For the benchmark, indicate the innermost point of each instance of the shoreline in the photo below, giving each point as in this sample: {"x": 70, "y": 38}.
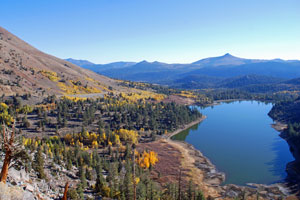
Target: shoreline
{"x": 185, "y": 127}
{"x": 209, "y": 179}
{"x": 279, "y": 126}
{"x": 201, "y": 170}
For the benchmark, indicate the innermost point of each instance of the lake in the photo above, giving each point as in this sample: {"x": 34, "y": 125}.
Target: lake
{"x": 239, "y": 140}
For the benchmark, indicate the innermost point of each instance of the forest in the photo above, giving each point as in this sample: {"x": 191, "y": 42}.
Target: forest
{"x": 94, "y": 141}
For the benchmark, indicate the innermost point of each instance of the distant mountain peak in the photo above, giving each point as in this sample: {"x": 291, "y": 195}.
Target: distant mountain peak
{"x": 228, "y": 55}
{"x": 147, "y": 62}
{"x": 226, "y": 59}
{"x": 144, "y": 61}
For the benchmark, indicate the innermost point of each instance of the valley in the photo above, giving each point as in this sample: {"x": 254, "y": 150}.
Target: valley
{"x": 110, "y": 137}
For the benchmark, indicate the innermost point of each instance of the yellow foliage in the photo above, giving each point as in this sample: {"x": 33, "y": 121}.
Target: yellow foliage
{"x": 86, "y": 138}
{"x": 3, "y": 106}
{"x": 85, "y": 149}
{"x": 50, "y": 153}
{"x": 105, "y": 190}
{"x": 49, "y": 106}
{"x": 146, "y": 159}
{"x": 95, "y": 144}
{"x": 75, "y": 87}
{"x": 50, "y": 75}
{"x": 26, "y": 141}
{"x": 142, "y": 95}
{"x": 79, "y": 144}
{"x": 99, "y": 84}
{"x": 26, "y": 109}
{"x": 187, "y": 94}
{"x": 128, "y": 135}
{"x": 118, "y": 142}
{"x": 4, "y": 116}
{"x": 93, "y": 136}
{"x": 68, "y": 137}
{"x": 153, "y": 157}
{"x": 54, "y": 138}
{"x": 103, "y": 136}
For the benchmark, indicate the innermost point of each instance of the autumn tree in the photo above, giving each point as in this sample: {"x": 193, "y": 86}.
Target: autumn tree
{"x": 147, "y": 159}
{"x": 5, "y": 117}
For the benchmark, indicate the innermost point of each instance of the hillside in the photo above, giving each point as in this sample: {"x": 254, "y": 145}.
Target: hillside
{"x": 25, "y": 69}
{"x": 247, "y": 80}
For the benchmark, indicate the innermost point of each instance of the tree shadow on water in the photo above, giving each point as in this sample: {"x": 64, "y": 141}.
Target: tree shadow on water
{"x": 283, "y": 156}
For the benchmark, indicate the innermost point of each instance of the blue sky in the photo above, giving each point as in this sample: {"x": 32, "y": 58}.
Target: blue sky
{"x": 173, "y": 31}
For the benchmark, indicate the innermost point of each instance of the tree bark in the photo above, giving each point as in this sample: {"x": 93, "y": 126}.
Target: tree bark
{"x": 4, "y": 171}
{"x": 66, "y": 191}
{"x": 8, "y": 153}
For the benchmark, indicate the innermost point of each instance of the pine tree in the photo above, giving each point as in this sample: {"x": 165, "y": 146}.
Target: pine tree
{"x": 38, "y": 163}
{"x": 80, "y": 190}
{"x": 190, "y": 192}
{"x": 82, "y": 176}
{"x": 200, "y": 196}
{"x": 128, "y": 182}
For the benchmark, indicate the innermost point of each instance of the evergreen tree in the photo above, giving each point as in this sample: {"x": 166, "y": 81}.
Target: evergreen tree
{"x": 38, "y": 163}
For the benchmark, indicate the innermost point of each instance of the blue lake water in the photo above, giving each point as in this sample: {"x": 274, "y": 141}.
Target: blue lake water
{"x": 238, "y": 138}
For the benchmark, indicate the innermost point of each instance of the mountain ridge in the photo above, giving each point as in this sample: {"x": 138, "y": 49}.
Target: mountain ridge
{"x": 225, "y": 56}
{"x": 203, "y": 72}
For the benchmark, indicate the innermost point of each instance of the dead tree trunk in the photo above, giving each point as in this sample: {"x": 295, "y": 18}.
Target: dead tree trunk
{"x": 4, "y": 171}
{"x": 66, "y": 191}
{"x": 7, "y": 143}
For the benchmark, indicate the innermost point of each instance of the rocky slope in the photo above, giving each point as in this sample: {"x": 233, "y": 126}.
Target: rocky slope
{"x": 25, "y": 69}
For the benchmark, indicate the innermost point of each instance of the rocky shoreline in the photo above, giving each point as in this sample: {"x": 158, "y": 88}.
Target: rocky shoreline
{"x": 212, "y": 178}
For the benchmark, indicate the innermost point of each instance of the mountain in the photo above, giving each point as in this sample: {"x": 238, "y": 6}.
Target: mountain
{"x": 224, "y": 60}
{"x": 142, "y": 71}
{"x": 203, "y": 81}
{"x": 295, "y": 81}
{"x": 252, "y": 79}
{"x": 79, "y": 62}
{"x": 116, "y": 65}
{"x": 25, "y": 69}
{"x": 195, "y": 81}
{"x": 272, "y": 68}
{"x": 204, "y": 73}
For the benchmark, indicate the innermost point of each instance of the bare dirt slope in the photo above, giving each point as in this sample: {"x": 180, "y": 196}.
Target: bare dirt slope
{"x": 24, "y": 69}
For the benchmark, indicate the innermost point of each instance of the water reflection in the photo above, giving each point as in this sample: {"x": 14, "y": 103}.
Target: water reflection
{"x": 276, "y": 166}
{"x": 238, "y": 139}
